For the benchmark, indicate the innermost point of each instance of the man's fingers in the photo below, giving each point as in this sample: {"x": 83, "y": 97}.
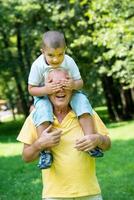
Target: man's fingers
{"x": 57, "y": 141}
{"x": 84, "y": 148}
{"x": 79, "y": 146}
{"x": 57, "y": 136}
{"x": 83, "y": 144}
{"x": 48, "y": 128}
{"x": 56, "y": 132}
{"x": 79, "y": 141}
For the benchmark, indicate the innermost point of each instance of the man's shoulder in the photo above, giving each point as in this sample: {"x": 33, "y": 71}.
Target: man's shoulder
{"x": 28, "y": 132}
{"x": 29, "y": 120}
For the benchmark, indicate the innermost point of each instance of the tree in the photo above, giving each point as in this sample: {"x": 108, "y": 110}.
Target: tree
{"x": 99, "y": 37}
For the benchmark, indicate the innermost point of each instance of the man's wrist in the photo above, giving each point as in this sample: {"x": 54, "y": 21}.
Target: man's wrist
{"x": 37, "y": 146}
{"x": 101, "y": 140}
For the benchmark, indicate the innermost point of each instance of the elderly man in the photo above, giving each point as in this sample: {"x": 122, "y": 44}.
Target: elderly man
{"x": 72, "y": 175}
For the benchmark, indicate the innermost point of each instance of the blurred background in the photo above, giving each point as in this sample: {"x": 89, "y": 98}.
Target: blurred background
{"x": 100, "y": 38}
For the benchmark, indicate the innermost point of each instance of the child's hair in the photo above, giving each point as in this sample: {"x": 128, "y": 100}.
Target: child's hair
{"x": 53, "y": 39}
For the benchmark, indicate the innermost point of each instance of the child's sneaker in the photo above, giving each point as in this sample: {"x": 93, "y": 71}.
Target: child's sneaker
{"x": 45, "y": 160}
{"x": 97, "y": 152}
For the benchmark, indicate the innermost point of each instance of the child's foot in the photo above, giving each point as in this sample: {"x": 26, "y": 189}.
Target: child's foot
{"x": 45, "y": 160}
{"x": 97, "y": 152}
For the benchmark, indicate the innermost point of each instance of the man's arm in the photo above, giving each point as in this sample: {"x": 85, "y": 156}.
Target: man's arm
{"x": 100, "y": 138}
{"x": 104, "y": 142}
{"x": 48, "y": 139}
{"x": 89, "y": 142}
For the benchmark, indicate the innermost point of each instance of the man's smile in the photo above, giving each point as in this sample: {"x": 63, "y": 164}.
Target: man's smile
{"x": 60, "y": 96}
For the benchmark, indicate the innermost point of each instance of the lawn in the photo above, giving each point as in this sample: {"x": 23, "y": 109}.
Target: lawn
{"x": 115, "y": 171}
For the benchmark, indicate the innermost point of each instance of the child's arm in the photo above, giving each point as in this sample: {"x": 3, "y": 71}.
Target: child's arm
{"x": 49, "y": 88}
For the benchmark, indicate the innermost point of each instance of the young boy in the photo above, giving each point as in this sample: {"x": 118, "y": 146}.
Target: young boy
{"x": 53, "y": 56}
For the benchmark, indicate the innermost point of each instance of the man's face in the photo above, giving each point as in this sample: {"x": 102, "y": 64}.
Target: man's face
{"x": 54, "y": 57}
{"x": 61, "y": 98}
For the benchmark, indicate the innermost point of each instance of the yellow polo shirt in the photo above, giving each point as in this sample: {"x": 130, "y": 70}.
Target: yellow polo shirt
{"x": 72, "y": 173}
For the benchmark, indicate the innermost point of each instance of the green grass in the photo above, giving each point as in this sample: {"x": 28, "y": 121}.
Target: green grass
{"x": 115, "y": 171}
{"x": 18, "y": 180}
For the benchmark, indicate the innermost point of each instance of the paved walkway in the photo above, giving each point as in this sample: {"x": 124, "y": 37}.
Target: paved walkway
{"x": 5, "y": 115}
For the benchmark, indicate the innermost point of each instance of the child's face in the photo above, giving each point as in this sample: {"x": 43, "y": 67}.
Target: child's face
{"x": 54, "y": 57}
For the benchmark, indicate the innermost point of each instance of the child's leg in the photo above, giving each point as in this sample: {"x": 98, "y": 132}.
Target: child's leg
{"x": 43, "y": 112}
{"x": 87, "y": 124}
{"x": 42, "y": 127}
{"x": 42, "y": 117}
{"x": 84, "y": 111}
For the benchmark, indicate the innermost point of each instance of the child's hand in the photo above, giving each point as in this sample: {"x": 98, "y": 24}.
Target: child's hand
{"x": 52, "y": 87}
{"x": 68, "y": 84}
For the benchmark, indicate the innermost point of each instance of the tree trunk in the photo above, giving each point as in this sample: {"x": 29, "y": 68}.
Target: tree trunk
{"x": 128, "y": 103}
{"x": 107, "y": 84}
{"x": 20, "y": 54}
{"x": 119, "y": 101}
{"x": 21, "y": 95}
{"x": 23, "y": 72}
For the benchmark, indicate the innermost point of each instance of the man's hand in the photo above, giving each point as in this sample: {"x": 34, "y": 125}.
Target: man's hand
{"x": 49, "y": 138}
{"x": 87, "y": 142}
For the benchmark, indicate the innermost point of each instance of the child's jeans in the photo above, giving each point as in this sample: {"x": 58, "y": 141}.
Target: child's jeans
{"x": 44, "y": 111}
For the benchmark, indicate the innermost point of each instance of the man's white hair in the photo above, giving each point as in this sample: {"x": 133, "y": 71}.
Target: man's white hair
{"x": 57, "y": 69}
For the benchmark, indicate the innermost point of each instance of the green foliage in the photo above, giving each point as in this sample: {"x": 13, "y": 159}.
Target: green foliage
{"x": 99, "y": 37}
{"x": 113, "y": 30}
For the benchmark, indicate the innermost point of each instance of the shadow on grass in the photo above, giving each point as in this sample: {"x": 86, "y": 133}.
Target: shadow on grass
{"x": 19, "y": 180}
{"x": 10, "y": 130}
{"x": 120, "y": 124}
{"x": 116, "y": 171}
{"x": 103, "y": 113}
